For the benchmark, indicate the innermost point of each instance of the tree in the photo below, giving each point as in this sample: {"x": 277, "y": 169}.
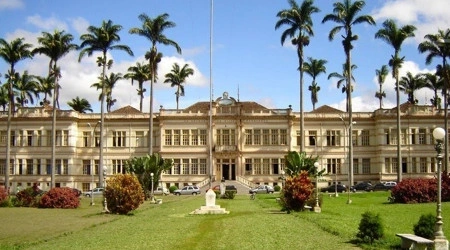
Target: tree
{"x": 409, "y": 84}
{"x": 140, "y": 73}
{"x": 144, "y": 166}
{"x": 300, "y": 28}
{"x": 342, "y": 78}
{"x": 12, "y": 53}
{"x": 55, "y": 46}
{"x": 80, "y": 105}
{"x": 27, "y": 88}
{"x": 153, "y": 30}
{"x": 176, "y": 77}
{"x": 297, "y": 162}
{"x": 110, "y": 82}
{"x": 395, "y": 37}
{"x": 102, "y": 39}
{"x": 345, "y": 14}
{"x": 381, "y": 77}
{"x": 435, "y": 83}
{"x": 3, "y": 96}
{"x": 314, "y": 68}
{"x": 45, "y": 86}
{"x": 435, "y": 48}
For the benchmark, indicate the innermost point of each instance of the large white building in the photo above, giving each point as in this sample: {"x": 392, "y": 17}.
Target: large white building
{"x": 249, "y": 143}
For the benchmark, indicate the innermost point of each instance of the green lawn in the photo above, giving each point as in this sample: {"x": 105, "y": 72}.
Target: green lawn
{"x": 251, "y": 224}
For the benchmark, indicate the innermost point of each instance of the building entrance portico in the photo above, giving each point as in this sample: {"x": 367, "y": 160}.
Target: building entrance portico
{"x": 226, "y": 169}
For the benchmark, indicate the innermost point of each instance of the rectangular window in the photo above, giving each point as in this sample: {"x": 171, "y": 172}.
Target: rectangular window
{"x": 185, "y": 166}
{"x": 366, "y": 165}
{"x": 355, "y": 166}
{"x": 257, "y": 166}
{"x": 256, "y": 137}
{"x": 274, "y": 136}
{"x": 394, "y": 165}
{"x": 203, "y": 166}
{"x": 86, "y": 142}
{"x": 355, "y": 137}
{"x": 423, "y": 165}
{"x": 333, "y": 137}
{"x": 39, "y": 139}
{"x": 266, "y": 137}
{"x": 119, "y": 138}
{"x": 118, "y": 166}
{"x": 39, "y": 166}
{"x": 422, "y": 136}
{"x": 433, "y": 165}
{"x": 388, "y": 137}
{"x": 413, "y": 136}
{"x": 283, "y": 137}
{"x": 2, "y": 138}
{"x": 140, "y": 139}
{"x": 97, "y": 139}
{"x": 414, "y": 164}
{"x": 194, "y": 137}
{"x": 248, "y": 166}
{"x": 226, "y": 137}
{"x": 248, "y": 137}
{"x": 393, "y": 137}
{"x": 185, "y": 139}
{"x": 30, "y": 138}
{"x": 29, "y": 167}
{"x": 168, "y": 137}
{"x": 176, "y": 166}
{"x": 194, "y": 166}
{"x": 312, "y": 137}
{"x": 86, "y": 167}
{"x": 266, "y": 167}
{"x": 334, "y": 166}
{"x": 176, "y": 137}
{"x": 2, "y": 166}
{"x": 203, "y": 137}
{"x": 299, "y": 138}
{"x": 387, "y": 165}
{"x": 365, "y": 138}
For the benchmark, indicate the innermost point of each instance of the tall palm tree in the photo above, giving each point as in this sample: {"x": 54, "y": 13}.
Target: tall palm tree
{"x": 314, "y": 67}
{"x": 409, "y": 84}
{"x": 3, "y": 96}
{"x": 345, "y": 14}
{"x": 435, "y": 48}
{"x": 80, "y": 105}
{"x": 153, "y": 30}
{"x": 110, "y": 82}
{"x": 12, "y": 52}
{"x": 342, "y": 82}
{"x": 45, "y": 86}
{"x": 300, "y": 28}
{"x": 27, "y": 88}
{"x": 176, "y": 77}
{"x": 435, "y": 83}
{"x": 102, "y": 39}
{"x": 395, "y": 36}
{"x": 381, "y": 77}
{"x": 140, "y": 73}
{"x": 55, "y": 46}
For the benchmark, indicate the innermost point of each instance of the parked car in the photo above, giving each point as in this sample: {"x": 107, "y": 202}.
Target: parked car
{"x": 161, "y": 191}
{"x": 390, "y": 184}
{"x": 191, "y": 190}
{"x": 340, "y": 188}
{"x": 227, "y": 188}
{"x": 378, "y": 187}
{"x": 360, "y": 186}
{"x": 94, "y": 192}
{"x": 262, "y": 189}
{"x": 77, "y": 192}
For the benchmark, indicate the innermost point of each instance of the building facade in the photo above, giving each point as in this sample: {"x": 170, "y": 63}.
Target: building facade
{"x": 247, "y": 142}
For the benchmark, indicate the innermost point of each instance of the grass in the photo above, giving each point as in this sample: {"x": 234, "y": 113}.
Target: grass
{"x": 251, "y": 224}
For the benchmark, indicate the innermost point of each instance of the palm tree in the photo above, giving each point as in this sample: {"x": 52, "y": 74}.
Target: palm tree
{"x": 435, "y": 83}
{"x": 3, "y": 96}
{"x": 102, "y": 39}
{"x": 395, "y": 36}
{"x": 55, "y": 46}
{"x": 45, "y": 86}
{"x": 27, "y": 87}
{"x": 381, "y": 77}
{"x": 343, "y": 80}
{"x": 314, "y": 68}
{"x": 409, "y": 84}
{"x": 435, "y": 48}
{"x": 80, "y": 105}
{"x": 345, "y": 15}
{"x": 176, "y": 77}
{"x": 300, "y": 28}
{"x": 153, "y": 30}
{"x": 140, "y": 73}
{"x": 110, "y": 82}
{"x": 12, "y": 53}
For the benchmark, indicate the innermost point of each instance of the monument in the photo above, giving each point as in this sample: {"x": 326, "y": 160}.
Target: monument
{"x": 211, "y": 207}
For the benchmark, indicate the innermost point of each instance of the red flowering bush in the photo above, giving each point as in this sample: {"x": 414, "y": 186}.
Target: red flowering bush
{"x": 297, "y": 192}
{"x": 3, "y": 194}
{"x": 123, "y": 194}
{"x": 28, "y": 197}
{"x": 60, "y": 198}
{"x": 445, "y": 193}
{"x": 415, "y": 191}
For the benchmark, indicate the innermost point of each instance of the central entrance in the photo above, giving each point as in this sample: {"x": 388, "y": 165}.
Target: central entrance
{"x": 227, "y": 169}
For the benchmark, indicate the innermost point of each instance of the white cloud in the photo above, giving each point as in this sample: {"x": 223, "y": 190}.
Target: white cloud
{"x": 50, "y": 23}
{"x": 11, "y": 4}
{"x": 79, "y": 24}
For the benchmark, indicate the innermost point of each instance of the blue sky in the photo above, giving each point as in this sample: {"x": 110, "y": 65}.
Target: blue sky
{"x": 248, "y": 60}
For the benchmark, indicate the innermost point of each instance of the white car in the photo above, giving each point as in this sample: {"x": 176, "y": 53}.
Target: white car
{"x": 161, "y": 191}
{"x": 262, "y": 189}
{"x": 94, "y": 192}
{"x": 190, "y": 190}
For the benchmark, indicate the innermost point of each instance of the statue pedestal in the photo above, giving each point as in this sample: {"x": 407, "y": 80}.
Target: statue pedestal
{"x": 211, "y": 207}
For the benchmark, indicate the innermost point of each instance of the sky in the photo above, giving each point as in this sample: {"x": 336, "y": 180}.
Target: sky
{"x": 247, "y": 58}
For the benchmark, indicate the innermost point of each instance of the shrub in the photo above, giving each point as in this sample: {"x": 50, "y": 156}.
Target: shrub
{"x": 415, "y": 191}
{"x": 60, "y": 197}
{"x": 425, "y": 226}
{"x": 277, "y": 188}
{"x": 370, "y": 227}
{"x": 445, "y": 193}
{"x": 172, "y": 189}
{"x": 3, "y": 194}
{"x": 28, "y": 197}
{"x": 123, "y": 194}
{"x": 296, "y": 192}
{"x": 228, "y": 195}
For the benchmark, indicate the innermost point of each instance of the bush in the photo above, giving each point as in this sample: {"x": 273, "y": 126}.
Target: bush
{"x": 172, "y": 189}
{"x": 425, "y": 226}
{"x": 60, "y": 197}
{"x": 123, "y": 194}
{"x": 228, "y": 195}
{"x": 370, "y": 227}
{"x": 296, "y": 192}
{"x": 3, "y": 194}
{"x": 28, "y": 197}
{"x": 445, "y": 193}
{"x": 415, "y": 191}
{"x": 277, "y": 188}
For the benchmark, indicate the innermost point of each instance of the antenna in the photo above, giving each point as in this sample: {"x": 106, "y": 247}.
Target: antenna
{"x": 238, "y": 93}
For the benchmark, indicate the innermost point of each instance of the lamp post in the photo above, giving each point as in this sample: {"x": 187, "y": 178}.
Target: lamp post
{"x": 317, "y": 208}
{"x": 151, "y": 193}
{"x": 105, "y": 204}
{"x": 440, "y": 242}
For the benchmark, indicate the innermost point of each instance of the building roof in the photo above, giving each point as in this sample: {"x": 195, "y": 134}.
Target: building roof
{"x": 126, "y": 110}
{"x": 326, "y": 109}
